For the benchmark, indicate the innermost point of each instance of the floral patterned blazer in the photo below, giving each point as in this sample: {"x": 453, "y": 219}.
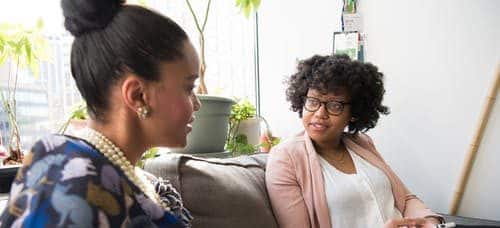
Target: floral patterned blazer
{"x": 66, "y": 182}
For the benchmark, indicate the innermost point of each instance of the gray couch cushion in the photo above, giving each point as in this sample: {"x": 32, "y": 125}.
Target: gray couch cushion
{"x": 219, "y": 192}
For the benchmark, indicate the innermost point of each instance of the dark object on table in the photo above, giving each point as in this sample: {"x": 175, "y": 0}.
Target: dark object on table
{"x": 15, "y": 158}
{"x": 467, "y": 222}
{"x": 476, "y": 226}
{"x": 7, "y": 175}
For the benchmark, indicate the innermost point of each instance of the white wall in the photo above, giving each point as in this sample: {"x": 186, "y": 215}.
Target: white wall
{"x": 439, "y": 58}
{"x": 288, "y": 31}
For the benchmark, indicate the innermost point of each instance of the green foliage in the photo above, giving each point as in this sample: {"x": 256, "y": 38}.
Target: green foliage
{"x": 151, "y": 153}
{"x": 242, "y": 110}
{"x": 350, "y": 6}
{"x": 270, "y": 141}
{"x": 247, "y": 6}
{"x": 238, "y": 143}
{"x": 79, "y": 113}
{"x": 20, "y": 47}
{"x": 24, "y": 46}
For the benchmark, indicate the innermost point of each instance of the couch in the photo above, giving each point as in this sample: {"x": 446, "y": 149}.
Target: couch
{"x": 220, "y": 193}
{"x": 231, "y": 192}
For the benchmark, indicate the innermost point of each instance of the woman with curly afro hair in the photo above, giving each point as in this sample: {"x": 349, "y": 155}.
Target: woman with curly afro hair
{"x": 331, "y": 175}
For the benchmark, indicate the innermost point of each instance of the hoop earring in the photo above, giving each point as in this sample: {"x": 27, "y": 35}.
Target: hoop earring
{"x": 143, "y": 112}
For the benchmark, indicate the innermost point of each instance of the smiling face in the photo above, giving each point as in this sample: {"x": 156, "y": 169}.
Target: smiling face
{"x": 174, "y": 100}
{"x": 322, "y": 127}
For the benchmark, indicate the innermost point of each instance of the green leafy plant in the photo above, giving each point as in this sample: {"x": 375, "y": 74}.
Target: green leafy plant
{"x": 20, "y": 47}
{"x": 350, "y": 6}
{"x": 151, "y": 153}
{"x": 238, "y": 143}
{"x": 245, "y": 6}
{"x": 79, "y": 113}
{"x": 242, "y": 110}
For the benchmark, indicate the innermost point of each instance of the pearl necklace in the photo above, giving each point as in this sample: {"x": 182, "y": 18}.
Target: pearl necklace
{"x": 116, "y": 156}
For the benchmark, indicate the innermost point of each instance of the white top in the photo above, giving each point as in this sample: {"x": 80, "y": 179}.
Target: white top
{"x": 363, "y": 199}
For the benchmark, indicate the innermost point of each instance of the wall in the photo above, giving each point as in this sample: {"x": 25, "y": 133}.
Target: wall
{"x": 287, "y": 33}
{"x": 439, "y": 59}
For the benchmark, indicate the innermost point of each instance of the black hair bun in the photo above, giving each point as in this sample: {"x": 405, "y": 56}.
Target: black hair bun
{"x": 82, "y": 16}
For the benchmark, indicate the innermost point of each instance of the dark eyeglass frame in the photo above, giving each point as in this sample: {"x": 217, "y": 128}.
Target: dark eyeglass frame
{"x": 325, "y": 103}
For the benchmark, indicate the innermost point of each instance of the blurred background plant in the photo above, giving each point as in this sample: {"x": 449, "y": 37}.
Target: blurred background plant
{"x": 267, "y": 139}
{"x": 20, "y": 48}
{"x": 245, "y": 6}
{"x": 151, "y": 153}
{"x": 79, "y": 113}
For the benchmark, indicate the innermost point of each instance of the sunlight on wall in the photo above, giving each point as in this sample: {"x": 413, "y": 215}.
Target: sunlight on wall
{"x": 27, "y": 12}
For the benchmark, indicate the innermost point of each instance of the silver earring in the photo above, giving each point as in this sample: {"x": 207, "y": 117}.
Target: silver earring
{"x": 143, "y": 112}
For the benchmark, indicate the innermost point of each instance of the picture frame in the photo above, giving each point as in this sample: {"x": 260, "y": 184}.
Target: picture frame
{"x": 347, "y": 43}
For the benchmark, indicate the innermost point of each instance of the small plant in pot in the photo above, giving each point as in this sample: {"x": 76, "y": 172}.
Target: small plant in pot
{"x": 243, "y": 125}
{"x": 245, "y": 133}
{"x": 76, "y": 121}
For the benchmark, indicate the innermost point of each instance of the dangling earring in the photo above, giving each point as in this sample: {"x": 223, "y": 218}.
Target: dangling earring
{"x": 353, "y": 120}
{"x": 143, "y": 112}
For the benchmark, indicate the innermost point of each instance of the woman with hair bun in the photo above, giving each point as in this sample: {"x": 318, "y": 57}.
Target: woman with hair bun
{"x": 136, "y": 70}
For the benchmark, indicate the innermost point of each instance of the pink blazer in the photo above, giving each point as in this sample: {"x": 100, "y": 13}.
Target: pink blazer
{"x": 294, "y": 181}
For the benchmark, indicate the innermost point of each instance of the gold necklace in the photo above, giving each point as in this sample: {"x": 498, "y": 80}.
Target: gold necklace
{"x": 116, "y": 156}
{"x": 341, "y": 160}
{"x": 330, "y": 156}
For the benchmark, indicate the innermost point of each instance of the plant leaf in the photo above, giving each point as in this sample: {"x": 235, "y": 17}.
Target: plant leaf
{"x": 256, "y": 4}
{"x": 247, "y": 6}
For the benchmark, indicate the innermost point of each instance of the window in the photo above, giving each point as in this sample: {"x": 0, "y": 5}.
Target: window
{"x": 44, "y": 102}
{"x": 229, "y": 41}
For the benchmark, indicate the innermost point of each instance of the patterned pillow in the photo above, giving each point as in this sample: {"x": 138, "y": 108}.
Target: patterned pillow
{"x": 219, "y": 192}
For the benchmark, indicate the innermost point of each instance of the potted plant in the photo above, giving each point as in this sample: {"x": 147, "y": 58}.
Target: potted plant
{"x": 267, "y": 139}
{"x": 76, "y": 121}
{"x": 244, "y": 128}
{"x": 245, "y": 133}
{"x": 211, "y": 124}
{"x": 19, "y": 48}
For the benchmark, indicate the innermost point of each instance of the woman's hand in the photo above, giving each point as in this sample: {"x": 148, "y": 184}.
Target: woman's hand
{"x": 409, "y": 222}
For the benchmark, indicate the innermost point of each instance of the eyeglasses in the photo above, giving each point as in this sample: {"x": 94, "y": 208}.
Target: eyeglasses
{"x": 335, "y": 108}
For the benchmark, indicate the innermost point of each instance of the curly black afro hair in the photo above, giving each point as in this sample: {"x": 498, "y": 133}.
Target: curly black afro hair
{"x": 363, "y": 81}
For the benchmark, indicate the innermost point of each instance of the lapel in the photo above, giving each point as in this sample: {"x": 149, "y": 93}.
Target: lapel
{"x": 360, "y": 145}
{"x": 320, "y": 205}
{"x": 362, "y": 148}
